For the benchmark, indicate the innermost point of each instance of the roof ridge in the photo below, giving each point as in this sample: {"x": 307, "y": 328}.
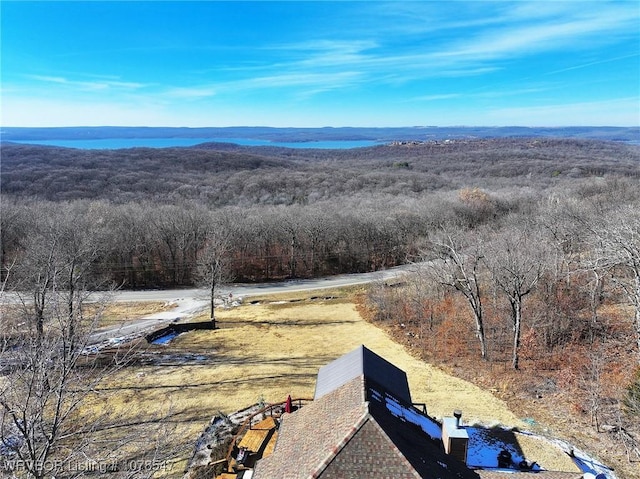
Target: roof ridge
{"x": 338, "y": 447}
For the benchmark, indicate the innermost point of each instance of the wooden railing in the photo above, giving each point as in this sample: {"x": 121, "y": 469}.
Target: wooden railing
{"x": 274, "y": 410}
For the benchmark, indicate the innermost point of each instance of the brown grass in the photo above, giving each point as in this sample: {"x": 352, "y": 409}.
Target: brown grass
{"x": 265, "y": 352}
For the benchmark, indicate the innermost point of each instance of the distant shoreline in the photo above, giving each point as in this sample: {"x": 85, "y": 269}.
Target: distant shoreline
{"x": 302, "y": 137}
{"x": 123, "y": 143}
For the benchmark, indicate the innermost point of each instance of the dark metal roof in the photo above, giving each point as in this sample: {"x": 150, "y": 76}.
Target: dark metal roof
{"x": 362, "y": 362}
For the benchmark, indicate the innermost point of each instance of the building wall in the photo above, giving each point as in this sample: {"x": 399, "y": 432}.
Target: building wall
{"x": 369, "y": 454}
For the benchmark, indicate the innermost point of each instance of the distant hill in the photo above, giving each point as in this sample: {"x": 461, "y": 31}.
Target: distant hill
{"x": 627, "y": 134}
{"x": 223, "y": 174}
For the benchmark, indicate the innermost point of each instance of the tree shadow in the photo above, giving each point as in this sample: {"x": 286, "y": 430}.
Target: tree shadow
{"x": 228, "y": 382}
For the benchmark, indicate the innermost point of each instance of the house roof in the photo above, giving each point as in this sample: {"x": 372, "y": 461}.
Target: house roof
{"x": 310, "y": 438}
{"x": 421, "y": 451}
{"x": 364, "y": 426}
{"x": 362, "y": 362}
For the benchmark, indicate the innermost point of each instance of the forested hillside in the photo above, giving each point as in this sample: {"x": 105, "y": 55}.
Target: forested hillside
{"x": 287, "y": 213}
{"x": 532, "y": 246}
{"x": 225, "y": 175}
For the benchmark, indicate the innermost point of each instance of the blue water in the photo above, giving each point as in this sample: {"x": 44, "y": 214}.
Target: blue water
{"x": 116, "y": 143}
{"x": 166, "y": 338}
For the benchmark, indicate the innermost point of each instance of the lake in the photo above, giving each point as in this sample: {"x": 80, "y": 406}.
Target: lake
{"x": 117, "y": 143}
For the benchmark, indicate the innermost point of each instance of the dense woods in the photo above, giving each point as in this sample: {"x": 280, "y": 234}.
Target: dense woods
{"x": 526, "y": 251}
{"x": 287, "y": 213}
{"x": 216, "y": 175}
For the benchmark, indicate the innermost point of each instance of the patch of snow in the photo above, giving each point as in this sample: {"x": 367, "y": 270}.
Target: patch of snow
{"x": 9, "y": 445}
{"x": 587, "y": 464}
{"x": 483, "y": 449}
{"x": 219, "y": 429}
{"x": 409, "y": 414}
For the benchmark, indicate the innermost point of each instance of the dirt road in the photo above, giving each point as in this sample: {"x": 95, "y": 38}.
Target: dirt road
{"x": 191, "y": 301}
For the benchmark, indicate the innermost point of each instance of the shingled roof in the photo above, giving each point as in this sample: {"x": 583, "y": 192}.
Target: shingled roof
{"x": 360, "y": 427}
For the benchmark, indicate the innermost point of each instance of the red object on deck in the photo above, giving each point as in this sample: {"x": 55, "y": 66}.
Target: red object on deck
{"x": 288, "y": 406}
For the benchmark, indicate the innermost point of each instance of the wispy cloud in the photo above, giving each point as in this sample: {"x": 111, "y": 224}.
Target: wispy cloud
{"x": 87, "y": 85}
{"x": 486, "y": 32}
{"x": 192, "y": 93}
{"x": 445, "y": 56}
{"x": 311, "y": 83}
{"x": 446, "y": 96}
{"x": 537, "y": 37}
{"x": 329, "y": 80}
{"x": 408, "y": 51}
{"x": 49, "y": 79}
{"x": 516, "y": 30}
{"x": 589, "y": 64}
{"x": 507, "y": 92}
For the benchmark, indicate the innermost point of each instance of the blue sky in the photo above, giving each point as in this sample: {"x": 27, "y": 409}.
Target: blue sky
{"x": 312, "y": 64}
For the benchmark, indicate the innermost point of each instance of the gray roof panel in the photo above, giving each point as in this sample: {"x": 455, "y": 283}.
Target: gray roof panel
{"x": 362, "y": 362}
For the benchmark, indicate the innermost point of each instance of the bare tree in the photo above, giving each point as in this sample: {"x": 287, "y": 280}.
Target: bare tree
{"x": 47, "y": 374}
{"x": 516, "y": 262}
{"x": 46, "y": 370}
{"x": 315, "y": 227}
{"x": 14, "y": 224}
{"x": 130, "y": 259}
{"x": 289, "y": 227}
{"x": 213, "y": 261}
{"x": 50, "y": 370}
{"x": 618, "y": 236}
{"x": 46, "y": 379}
{"x": 181, "y": 231}
{"x": 458, "y": 267}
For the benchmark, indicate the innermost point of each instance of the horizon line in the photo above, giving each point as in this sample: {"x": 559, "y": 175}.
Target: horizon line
{"x": 323, "y": 127}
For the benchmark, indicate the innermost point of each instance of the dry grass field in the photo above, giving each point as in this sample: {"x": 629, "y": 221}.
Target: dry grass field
{"x": 265, "y": 352}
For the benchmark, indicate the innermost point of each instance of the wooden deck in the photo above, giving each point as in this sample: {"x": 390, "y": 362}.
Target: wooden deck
{"x": 257, "y": 438}
{"x": 268, "y": 450}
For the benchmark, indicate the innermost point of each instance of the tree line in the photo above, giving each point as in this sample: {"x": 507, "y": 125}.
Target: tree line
{"x": 218, "y": 175}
